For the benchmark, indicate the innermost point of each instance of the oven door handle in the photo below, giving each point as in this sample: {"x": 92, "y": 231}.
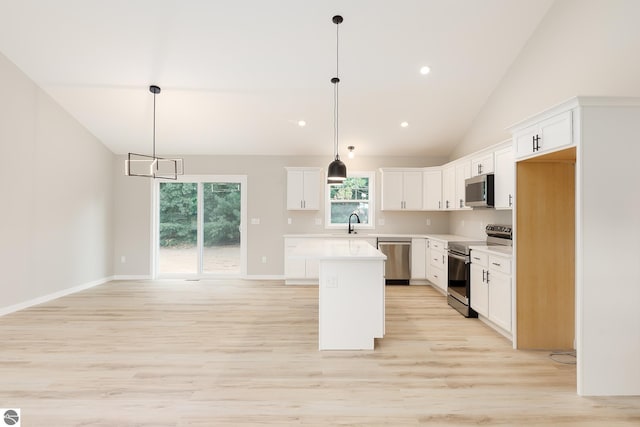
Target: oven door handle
{"x": 460, "y": 257}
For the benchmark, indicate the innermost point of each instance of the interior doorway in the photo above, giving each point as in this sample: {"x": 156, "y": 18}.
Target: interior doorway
{"x": 200, "y": 227}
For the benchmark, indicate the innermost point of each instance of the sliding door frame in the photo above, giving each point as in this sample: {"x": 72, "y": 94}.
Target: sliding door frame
{"x": 155, "y": 222}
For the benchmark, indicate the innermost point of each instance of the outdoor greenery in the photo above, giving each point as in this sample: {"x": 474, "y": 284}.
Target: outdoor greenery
{"x": 349, "y": 197}
{"x": 179, "y": 213}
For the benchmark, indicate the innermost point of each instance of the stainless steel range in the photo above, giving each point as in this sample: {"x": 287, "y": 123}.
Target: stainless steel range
{"x": 459, "y": 267}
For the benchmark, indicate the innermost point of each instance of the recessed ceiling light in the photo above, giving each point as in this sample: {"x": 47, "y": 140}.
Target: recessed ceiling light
{"x": 404, "y": 124}
{"x": 425, "y": 70}
{"x": 302, "y": 123}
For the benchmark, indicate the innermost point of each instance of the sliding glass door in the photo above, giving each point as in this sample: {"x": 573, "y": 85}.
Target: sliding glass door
{"x": 201, "y": 227}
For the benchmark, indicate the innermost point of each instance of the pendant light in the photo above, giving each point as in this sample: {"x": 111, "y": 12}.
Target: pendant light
{"x": 337, "y": 172}
{"x": 153, "y": 166}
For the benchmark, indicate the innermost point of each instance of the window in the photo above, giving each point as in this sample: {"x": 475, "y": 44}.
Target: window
{"x": 354, "y": 195}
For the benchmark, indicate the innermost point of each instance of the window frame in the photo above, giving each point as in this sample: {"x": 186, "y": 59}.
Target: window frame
{"x": 371, "y": 175}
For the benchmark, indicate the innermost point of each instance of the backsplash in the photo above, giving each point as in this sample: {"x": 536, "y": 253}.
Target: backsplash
{"x": 472, "y": 223}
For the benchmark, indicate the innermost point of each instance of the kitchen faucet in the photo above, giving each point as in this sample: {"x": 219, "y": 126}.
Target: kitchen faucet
{"x": 351, "y": 229}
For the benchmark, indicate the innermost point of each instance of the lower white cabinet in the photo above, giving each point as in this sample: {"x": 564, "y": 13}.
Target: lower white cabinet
{"x": 491, "y": 288}
{"x": 437, "y": 271}
{"x": 299, "y": 271}
{"x": 418, "y": 258}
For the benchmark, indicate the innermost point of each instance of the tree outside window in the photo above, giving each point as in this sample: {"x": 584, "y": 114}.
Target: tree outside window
{"x": 353, "y": 195}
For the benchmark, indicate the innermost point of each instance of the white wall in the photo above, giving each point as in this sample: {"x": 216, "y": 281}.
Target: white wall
{"x": 472, "y": 223}
{"x": 56, "y": 222}
{"x": 266, "y": 185}
{"x": 582, "y": 47}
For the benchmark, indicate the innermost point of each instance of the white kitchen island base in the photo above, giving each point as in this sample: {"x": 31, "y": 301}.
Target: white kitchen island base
{"x": 351, "y": 306}
{"x": 351, "y": 292}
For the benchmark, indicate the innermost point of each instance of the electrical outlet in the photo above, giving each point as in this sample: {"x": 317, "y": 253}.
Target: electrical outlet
{"x": 255, "y": 221}
{"x": 123, "y": 259}
{"x": 264, "y": 259}
{"x": 428, "y": 222}
{"x": 289, "y": 221}
{"x": 332, "y": 282}
{"x": 318, "y": 221}
{"x": 381, "y": 221}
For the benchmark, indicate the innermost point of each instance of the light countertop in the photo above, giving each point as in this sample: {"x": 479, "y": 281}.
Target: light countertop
{"x": 345, "y": 235}
{"x": 496, "y": 250}
{"x": 337, "y": 248}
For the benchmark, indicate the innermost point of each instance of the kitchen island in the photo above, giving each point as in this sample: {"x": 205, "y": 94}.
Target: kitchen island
{"x": 351, "y": 292}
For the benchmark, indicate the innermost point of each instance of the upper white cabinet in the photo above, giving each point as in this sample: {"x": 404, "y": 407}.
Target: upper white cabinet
{"x": 504, "y": 179}
{"x": 544, "y": 136}
{"x": 453, "y": 177}
{"x": 463, "y": 171}
{"x": 482, "y": 164}
{"x": 303, "y": 188}
{"x": 401, "y": 189}
{"x": 449, "y": 186}
{"x": 432, "y": 189}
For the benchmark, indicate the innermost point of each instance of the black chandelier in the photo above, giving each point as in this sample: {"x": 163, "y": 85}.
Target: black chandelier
{"x": 153, "y": 166}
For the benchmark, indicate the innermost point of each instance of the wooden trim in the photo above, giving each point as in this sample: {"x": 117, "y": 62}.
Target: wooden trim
{"x": 545, "y": 252}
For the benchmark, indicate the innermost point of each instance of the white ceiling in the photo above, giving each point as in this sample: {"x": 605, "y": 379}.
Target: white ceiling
{"x": 237, "y": 75}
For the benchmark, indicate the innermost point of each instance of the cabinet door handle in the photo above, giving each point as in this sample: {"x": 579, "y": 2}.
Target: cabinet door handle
{"x": 461, "y": 203}
{"x": 479, "y": 168}
{"x": 536, "y": 143}
{"x": 439, "y": 204}
{"x": 533, "y": 143}
{"x": 487, "y": 277}
{"x": 442, "y": 259}
{"x": 476, "y": 258}
{"x": 483, "y": 275}
{"x": 496, "y": 264}
{"x": 510, "y": 200}
{"x": 447, "y": 205}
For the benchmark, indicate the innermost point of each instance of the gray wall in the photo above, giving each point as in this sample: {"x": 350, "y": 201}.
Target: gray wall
{"x": 582, "y": 47}
{"x": 266, "y": 183}
{"x": 56, "y": 223}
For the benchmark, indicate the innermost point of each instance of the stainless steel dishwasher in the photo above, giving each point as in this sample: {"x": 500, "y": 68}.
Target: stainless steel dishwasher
{"x": 397, "y": 267}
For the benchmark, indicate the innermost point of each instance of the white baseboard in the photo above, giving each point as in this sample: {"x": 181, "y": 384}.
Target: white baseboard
{"x": 132, "y": 277}
{"x": 52, "y": 296}
{"x": 264, "y": 277}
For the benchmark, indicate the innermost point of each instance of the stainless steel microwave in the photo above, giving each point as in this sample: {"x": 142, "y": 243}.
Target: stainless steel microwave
{"x": 479, "y": 192}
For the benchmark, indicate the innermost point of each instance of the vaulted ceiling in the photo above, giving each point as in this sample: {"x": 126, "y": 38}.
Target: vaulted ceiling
{"x": 237, "y": 76}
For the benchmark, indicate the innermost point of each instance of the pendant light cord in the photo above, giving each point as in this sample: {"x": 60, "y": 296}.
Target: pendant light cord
{"x": 154, "y": 126}
{"x": 336, "y": 81}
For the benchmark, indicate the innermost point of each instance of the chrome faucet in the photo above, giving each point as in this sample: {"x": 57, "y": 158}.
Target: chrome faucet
{"x": 351, "y": 229}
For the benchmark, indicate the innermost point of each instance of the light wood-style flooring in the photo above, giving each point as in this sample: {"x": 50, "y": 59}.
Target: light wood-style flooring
{"x": 241, "y": 353}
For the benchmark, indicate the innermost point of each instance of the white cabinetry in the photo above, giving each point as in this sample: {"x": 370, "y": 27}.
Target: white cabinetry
{"x": 504, "y": 181}
{"x": 298, "y": 270}
{"x": 432, "y": 189}
{"x": 449, "y": 186}
{"x": 491, "y": 288}
{"x": 437, "y": 271}
{"x": 401, "y": 189}
{"x": 482, "y": 164}
{"x": 303, "y": 188}
{"x": 546, "y": 135}
{"x": 418, "y": 259}
{"x": 463, "y": 171}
